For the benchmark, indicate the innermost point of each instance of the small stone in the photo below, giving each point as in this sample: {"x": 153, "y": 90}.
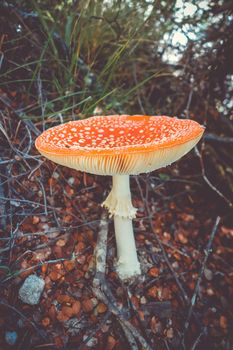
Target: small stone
{"x": 210, "y": 292}
{"x": 31, "y": 290}
{"x": 143, "y": 300}
{"x": 11, "y": 337}
{"x": 208, "y": 274}
{"x": 55, "y": 175}
{"x": 71, "y": 181}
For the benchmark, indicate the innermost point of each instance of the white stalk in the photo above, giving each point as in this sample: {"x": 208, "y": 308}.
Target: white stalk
{"x": 119, "y": 201}
{"x": 127, "y": 264}
{"x": 120, "y": 206}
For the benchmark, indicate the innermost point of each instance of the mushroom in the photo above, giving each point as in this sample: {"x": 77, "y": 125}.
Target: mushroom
{"x": 120, "y": 145}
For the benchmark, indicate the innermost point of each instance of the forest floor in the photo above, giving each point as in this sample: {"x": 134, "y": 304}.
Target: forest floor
{"x": 50, "y": 225}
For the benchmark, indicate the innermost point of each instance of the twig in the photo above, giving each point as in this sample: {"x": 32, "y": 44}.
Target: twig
{"x": 44, "y": 196}
{"x": 209, "y": 183}
{"x": 227, "y": 121}
{"x": 2, "y": 207}
{"x": 138, "y": 93}
{"x": 101, "y": 247}
{"x": 216, "y": 138}
{"x": 103, "y": 292}
{"x": 195, "y": 344}
{"x": 47, "y": 262}
{"x": 136, "y": 334}
{"x": 183, "y": 292}
{"x": 207, "y": 252}
{"x": 13, "y": 201}
{"x": 44, "y": 337}
{"x": 189, "y": 98}
{"x": 129, "y": 336}
{"x": 100, "y": 285}
{"x": 94, "y": 331}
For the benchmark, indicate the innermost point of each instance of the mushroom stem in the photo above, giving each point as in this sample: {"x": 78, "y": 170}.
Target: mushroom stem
{"x": 120, "y": 206}
{"x": 127, "y": 264}
{"x": 119, "y": 201}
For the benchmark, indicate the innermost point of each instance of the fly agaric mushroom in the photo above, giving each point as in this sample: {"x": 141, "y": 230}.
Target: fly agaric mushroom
{"x": 120, "y": 146}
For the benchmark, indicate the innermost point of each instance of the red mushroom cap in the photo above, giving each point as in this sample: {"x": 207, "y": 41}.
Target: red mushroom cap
{"x": 116, "y": 144}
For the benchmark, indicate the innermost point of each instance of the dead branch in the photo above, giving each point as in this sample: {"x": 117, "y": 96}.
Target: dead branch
{"x": 216, "y": 138}
{"x": 197, "y": 340}
{"x": 207, "y": 252}
{"x": 39, "y": 332}
{"x": 2, "y": 208}
{"x": 184, "y": 295}
{"x": 103, "y": 292}
{"x": 209, "y": 183}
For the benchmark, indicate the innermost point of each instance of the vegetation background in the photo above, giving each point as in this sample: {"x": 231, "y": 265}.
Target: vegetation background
{"x": 65, "y": 60}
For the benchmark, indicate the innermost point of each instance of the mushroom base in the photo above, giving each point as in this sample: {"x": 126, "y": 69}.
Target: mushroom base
{"x": 127, "y": 265}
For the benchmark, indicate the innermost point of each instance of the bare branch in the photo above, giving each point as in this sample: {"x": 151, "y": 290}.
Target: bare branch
{"x": 207, "y": 252}
{"x": 209, "y": 183}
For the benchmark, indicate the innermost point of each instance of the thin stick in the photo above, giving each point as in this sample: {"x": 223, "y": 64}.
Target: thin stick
{"x": 197, "y": 341}
{"x": 129, "y": 336}
{"x": 101, "y": 247}
{"x": 24, "y": 318}
{"x": 103, "y": 292}
{"x": 207, "y": 252}
{"x": 209, "y": 183}
{"x": 184, "y": 295}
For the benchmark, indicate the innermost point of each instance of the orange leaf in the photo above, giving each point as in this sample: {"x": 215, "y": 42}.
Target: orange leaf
{"x": 111, "y": 342}
{"x": 153, "y": 272}
{"x": 152, "y": 292}
{"x": 101, "y": 308}
{"x": 76, "y": 307}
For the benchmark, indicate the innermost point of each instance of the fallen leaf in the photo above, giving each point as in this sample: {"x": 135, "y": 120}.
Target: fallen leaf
{"x": 101, "y": 308}
{"x": 223, "y": 322}
{"x": 153, "y": 272}
{"x": 111, "y": 342}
